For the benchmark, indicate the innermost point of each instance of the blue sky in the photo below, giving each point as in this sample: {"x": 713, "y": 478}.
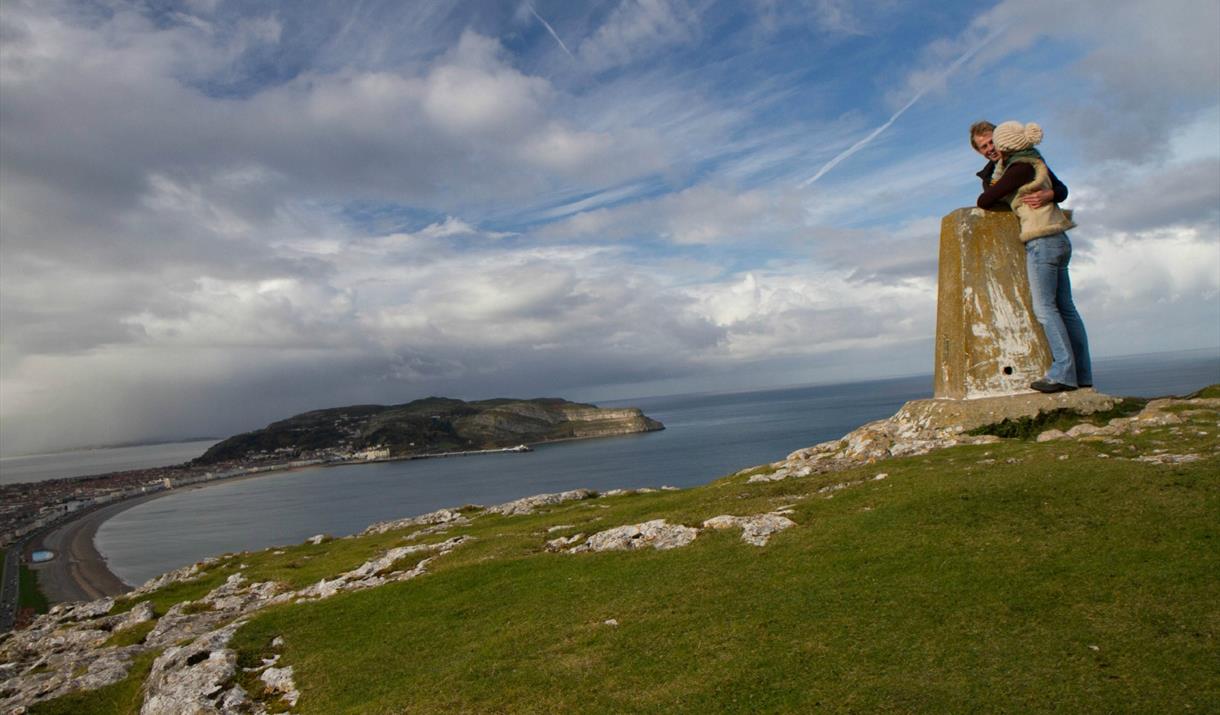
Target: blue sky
{"x": 216, "y": 214}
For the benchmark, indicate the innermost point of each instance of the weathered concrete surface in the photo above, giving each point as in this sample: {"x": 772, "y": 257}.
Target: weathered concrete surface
{"x": 988, "y": 342}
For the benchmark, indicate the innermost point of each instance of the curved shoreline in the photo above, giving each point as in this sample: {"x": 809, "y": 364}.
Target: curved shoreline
{"x": 80, "y": 572}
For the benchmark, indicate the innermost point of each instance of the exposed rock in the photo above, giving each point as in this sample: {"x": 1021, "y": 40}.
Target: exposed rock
{"x": 756, "y": 530}
{"x": 1168, "y": 458}
{"x": 317, "y": 539}
{"x": 81, "y": 610}
{"x": 372, "y": 573}
{"x": 559, "y": 527}
{"x": 1050, "y": 435}
{"x": 657, "y": 534}
{"x": 191, "y": 678}
{"x": 529, "y": 504}
{"x": 1084, "y": 429}
{"x": 434, "y": 530}
{"x": 440, "y": 516}
{"x": 61, "y": 672}
{"x": 563, "y": 542}
{"x": 141, "y": 613}
{"x": 279, "y": 680}
{"x": 185, "y": 573}
{"x": 231, "y": 599}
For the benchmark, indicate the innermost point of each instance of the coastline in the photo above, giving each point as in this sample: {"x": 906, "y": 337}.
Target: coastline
{"x": 79, "y": 571}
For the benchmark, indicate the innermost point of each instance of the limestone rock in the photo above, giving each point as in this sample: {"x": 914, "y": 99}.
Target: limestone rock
{"x": 529, "y": 504}
{"x": 279, "y": 680}
{"x": 563, "y": 542}
{"x": 191, "y": 678}
{"x": 82, "y": 610}
{"x": 756, "y": 530}
{"x": 657, "y": 534}
{"x": 373, "y": 572}
{"x": 185, "y": 573}
{"x": 1051, "y": 434}
{"x": 1083, "y": 429}
{"x": 440, "y": 516}
{"x": 1168, "y": 458}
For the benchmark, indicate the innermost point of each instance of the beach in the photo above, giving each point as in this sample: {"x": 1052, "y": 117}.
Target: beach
{"x": 78, "y": 572}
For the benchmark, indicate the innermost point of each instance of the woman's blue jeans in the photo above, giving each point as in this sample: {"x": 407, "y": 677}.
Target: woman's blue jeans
{"x": 1046, "y": 261}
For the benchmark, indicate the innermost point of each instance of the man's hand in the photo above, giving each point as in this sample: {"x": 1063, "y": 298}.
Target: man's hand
{"x": 1038, "y": 199}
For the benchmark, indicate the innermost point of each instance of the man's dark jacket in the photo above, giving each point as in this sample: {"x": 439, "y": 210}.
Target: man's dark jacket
{"x": 1060, "y": 189}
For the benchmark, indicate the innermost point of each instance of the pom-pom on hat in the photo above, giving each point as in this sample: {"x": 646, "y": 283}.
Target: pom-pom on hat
{"x": 1012, "y": 136}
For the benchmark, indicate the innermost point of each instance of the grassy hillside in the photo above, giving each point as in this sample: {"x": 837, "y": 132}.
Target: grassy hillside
{"x": 1015, "y": 577}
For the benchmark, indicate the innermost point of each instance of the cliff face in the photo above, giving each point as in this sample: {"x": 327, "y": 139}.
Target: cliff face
{"x": 428, "y": 426}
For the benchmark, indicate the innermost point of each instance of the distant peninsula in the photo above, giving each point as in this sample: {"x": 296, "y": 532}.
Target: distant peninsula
{"x": 432, "y": 426}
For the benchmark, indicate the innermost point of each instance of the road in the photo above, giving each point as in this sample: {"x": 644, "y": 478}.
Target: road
{"x": 10, "y": 587}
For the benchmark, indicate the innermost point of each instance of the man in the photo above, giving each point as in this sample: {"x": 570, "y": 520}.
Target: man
{"x": 981, "y": 140}
{"x": 1016, "y": 177}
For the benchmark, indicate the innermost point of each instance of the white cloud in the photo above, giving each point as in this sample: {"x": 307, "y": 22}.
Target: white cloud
{"x": 1143, "y": 70}
{"x": 206, "y": 211}
{"x": 636, "y": 29}
{"x": 701, "y": 214}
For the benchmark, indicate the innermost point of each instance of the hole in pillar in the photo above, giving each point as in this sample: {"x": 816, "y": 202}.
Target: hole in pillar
{"x": 1007, "y": 369}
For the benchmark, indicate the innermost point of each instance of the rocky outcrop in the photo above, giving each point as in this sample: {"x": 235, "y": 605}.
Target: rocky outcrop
{"x": 922, "y": 426}
{"x": 440, "y": 517}
{"x": 64, "y": 650}
{"x": 529, "y": 504}
{"x": 757, "y": 529}
{"x": 376, "y": 572}
{"x": 656, "y": 534}
{"x": 1168, "y": 412}
{"x": 194, "y": 678}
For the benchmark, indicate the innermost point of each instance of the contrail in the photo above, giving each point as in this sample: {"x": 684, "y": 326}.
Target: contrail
{"x": 550, "y": 29}
{"x": 873, "y": 135}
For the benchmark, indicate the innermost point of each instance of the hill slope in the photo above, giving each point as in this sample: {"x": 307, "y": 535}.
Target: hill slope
{"x": 1073, "y": 575}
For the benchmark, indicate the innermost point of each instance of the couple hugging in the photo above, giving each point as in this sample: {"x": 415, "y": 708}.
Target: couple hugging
{"x": 1016, "y": 176}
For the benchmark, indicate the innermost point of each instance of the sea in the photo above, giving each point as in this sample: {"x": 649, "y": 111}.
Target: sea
{"x": 707, "y": 436}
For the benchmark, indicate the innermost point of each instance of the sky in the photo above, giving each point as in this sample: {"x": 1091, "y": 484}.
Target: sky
{"x": 215, "y": 214}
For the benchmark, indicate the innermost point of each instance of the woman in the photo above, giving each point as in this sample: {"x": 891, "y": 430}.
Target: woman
{"x": 1047, "y": 253}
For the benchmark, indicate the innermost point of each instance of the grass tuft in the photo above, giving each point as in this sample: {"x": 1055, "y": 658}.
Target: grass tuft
{"x": 1028, "y": 428}
{"x": 122, "y": 698}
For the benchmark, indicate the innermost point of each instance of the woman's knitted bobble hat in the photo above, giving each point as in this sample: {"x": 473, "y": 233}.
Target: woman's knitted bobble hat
{"x": 1011, "y": 136}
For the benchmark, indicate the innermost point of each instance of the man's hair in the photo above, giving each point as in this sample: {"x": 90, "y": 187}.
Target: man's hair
{"x": 983, "y": 127}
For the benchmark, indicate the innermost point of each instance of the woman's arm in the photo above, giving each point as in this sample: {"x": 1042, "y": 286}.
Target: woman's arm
{"x": 1014, "y": 177}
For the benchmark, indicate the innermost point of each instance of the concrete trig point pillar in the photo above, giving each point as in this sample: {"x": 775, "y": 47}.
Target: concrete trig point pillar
{"x": 988, "y": 342}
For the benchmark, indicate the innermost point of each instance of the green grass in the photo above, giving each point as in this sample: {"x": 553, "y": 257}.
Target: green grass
{"x": 131, "y": 636}
{"x": 121, "y": 698}
{"x": 1012, "y": 577}
{"x": 29, "y": 595}
{"x": 938, "y": 590}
